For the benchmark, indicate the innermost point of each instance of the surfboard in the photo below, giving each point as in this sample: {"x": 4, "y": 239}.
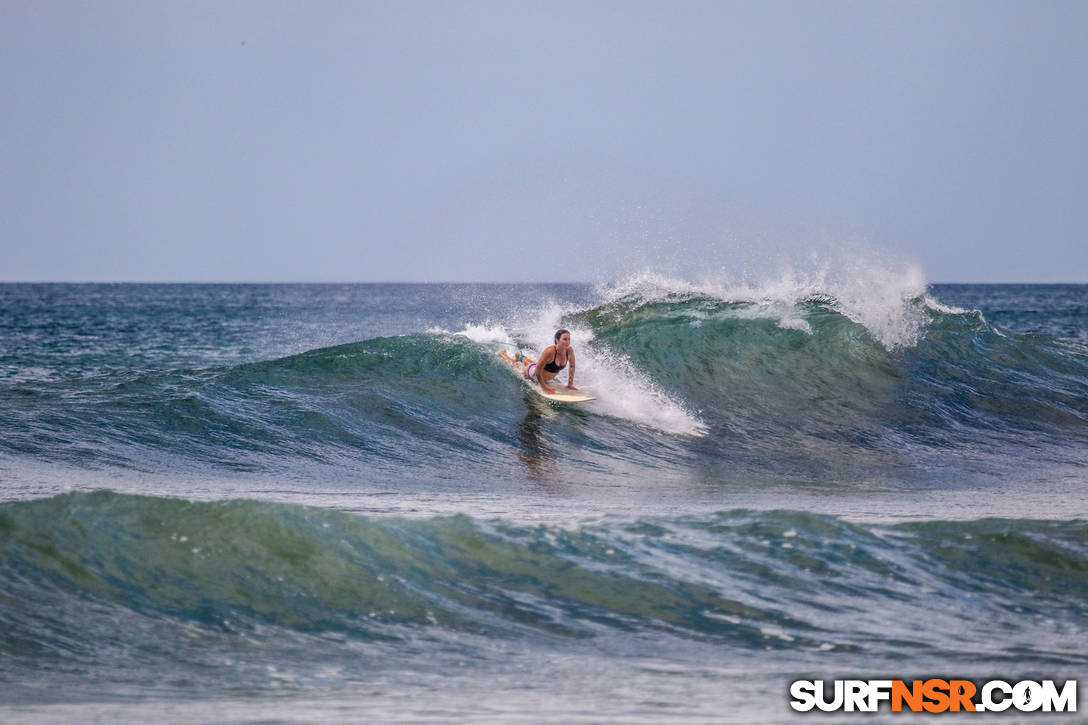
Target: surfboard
{"x": 562, "y": 393}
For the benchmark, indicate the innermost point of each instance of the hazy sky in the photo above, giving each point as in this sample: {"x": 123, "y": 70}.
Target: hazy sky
{"x": 557, "y": 141}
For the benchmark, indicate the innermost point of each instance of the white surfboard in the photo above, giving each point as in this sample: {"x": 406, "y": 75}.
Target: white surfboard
{"x": 562, "y": 393}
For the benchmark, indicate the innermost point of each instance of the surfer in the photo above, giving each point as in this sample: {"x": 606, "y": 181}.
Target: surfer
{"x": 552, "y": 360}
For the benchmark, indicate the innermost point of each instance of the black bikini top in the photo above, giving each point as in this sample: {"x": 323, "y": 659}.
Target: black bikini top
{"x": 552, "y": 367}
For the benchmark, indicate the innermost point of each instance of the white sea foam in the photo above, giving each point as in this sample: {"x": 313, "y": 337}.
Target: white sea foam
{"x": 886, "y": 297}
{"x": 624, "y": 392}
{"x": 485, "y": 333}
{"x": 945, "y": 309}
{"x": 621, "y": 390}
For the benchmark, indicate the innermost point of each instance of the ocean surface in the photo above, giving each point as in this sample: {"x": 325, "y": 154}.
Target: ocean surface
{"x": 333, "y": 503}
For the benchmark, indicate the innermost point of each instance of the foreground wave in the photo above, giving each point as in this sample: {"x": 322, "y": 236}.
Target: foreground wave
{"x": 97, "y": 581}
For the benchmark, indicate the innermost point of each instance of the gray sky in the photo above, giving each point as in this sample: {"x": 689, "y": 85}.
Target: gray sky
{"x": 554, "y": 141}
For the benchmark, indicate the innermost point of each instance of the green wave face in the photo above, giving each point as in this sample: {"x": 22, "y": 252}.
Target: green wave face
{"x": 772, "y": 367}
{"x": 739, "y": 362}
{"x": 80, "y": 564}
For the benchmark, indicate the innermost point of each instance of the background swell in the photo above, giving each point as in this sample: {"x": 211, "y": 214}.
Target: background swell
{"x": 791, "y": 386}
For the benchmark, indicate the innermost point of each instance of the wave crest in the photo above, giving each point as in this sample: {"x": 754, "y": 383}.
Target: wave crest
{"x": 888, "y": 301}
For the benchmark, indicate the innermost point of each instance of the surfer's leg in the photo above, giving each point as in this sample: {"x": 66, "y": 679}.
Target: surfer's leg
{"x": 519, "y": 360}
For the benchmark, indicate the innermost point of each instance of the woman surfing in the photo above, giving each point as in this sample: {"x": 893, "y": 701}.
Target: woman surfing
{"x": 552, "y": 360}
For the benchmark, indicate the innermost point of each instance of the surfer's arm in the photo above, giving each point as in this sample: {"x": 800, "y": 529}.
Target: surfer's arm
{"x": 540, "y": 379}
{"x": 570, "y": 377}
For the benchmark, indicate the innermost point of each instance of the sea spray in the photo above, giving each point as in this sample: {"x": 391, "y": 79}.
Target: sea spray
{"x": 621, "y": 390}
{"x": 885, "y": 300}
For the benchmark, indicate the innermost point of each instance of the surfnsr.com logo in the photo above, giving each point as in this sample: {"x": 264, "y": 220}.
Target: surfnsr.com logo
{"x": 933, "y": 695}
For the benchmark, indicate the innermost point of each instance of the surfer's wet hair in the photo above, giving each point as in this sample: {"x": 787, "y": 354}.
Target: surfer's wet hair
{"x": 559, "y": 333}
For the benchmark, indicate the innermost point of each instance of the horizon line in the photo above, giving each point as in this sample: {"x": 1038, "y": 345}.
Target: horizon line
{"x": 417, "y": 282}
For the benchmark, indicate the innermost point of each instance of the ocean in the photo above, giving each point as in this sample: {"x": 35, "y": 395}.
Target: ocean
{"x": 334, "y": 503}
